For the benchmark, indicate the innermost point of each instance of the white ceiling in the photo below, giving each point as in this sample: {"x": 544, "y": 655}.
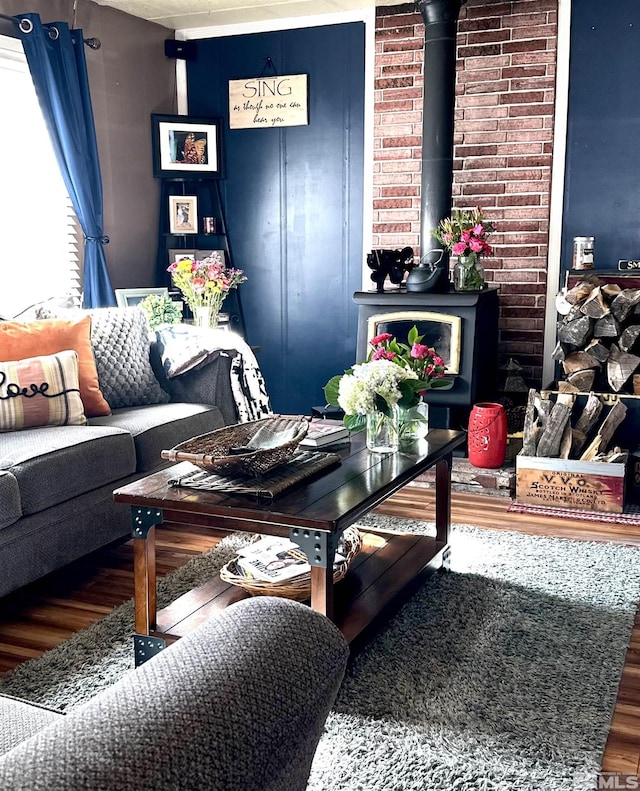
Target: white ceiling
{"x": 186, "y": 14}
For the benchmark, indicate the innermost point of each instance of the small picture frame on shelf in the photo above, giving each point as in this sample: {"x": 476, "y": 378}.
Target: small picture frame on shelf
{"x": 177, "y": 255}
{"x": 186, "y": 147}
{"x": 183, "y": 214}
{"x": 130, "y": 297}
{"x": 209, "y": 225}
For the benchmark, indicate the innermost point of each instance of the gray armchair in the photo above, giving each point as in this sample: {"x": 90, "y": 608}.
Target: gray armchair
{"x": 237, "y": 705}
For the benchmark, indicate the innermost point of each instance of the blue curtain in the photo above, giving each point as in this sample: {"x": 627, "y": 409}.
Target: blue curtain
{"x": 57, "y": 64}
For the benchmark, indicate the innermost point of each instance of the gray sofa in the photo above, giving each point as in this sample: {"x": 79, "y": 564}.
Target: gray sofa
{"x": 237, "y": 705}
{"x": 56, "y": 483}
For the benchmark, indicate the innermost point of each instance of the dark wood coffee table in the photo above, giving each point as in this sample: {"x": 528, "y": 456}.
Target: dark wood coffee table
{"x": 313, "y": 513}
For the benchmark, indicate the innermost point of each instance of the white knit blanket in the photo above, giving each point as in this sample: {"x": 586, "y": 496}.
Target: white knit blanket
{"x": 186, "y": 348}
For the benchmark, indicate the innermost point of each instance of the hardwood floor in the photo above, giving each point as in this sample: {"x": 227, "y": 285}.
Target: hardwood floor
{"x": 40, "y": 616}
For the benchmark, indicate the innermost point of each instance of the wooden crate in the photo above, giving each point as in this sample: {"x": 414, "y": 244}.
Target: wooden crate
{"x": 560, "y": 483}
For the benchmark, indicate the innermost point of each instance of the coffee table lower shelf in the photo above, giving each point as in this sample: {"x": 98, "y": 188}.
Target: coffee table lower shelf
{"x": 385, "y": 572}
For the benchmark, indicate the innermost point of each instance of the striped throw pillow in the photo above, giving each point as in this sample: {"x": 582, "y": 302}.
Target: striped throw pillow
{"x": 41, "y": 391}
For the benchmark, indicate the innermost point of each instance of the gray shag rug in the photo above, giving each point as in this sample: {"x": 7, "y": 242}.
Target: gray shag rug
{"x": 500, "y": 675}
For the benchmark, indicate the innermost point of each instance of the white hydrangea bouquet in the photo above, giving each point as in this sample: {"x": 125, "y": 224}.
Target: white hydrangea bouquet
{"x": 394, "y": 374}
{"x": 374, "y": 386}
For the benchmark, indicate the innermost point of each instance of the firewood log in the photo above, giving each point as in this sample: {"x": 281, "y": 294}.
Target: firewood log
{"x": 579, "y": 361}
{"x": 578, "y": 438}
{"x": 582, "y": 289}
{"x": 530, "y": 430}
{"x": 551, "y": 437}
{"x": 597, "y": 350}
{"x": 606, "y": 327}
{"x": 559, "y": 353}
{"x": 590, "y": 414}
{"x": 577, "y": 332}
{"x": 594, "y": 305}
{"x": 567, "y": 387}
{"x": 566, "y": 441}
{"x": 585, "y": 423}
{"x": 624, "y": 303}
{"x": 616, "y": 456}
{"x": 620, "y": 366}
{"x": 606, "y": 431}
{"x": 611, "y": 290}
{"x": 629, "y": 336}
{"x": 592, "y": 450}
{"x": 583, "y": 380}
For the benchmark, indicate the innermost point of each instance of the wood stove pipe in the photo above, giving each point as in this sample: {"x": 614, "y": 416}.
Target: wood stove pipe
{"x": 440, "y": 27}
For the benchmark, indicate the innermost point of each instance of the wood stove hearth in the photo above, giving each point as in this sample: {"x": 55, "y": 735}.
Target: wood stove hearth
{"x": 461, "y": 326}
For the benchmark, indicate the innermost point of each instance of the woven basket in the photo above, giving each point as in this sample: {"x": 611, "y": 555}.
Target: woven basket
{"x": 298, "y": 588}
{"x": 251, "y": 448}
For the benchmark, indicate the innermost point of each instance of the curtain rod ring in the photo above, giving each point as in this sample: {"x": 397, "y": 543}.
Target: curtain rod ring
{"x": 26, "y": 25}
{"x": 54, "y": 33}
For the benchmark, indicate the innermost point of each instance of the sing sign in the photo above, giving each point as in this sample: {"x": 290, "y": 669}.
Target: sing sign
{"x": 264, "y": 102}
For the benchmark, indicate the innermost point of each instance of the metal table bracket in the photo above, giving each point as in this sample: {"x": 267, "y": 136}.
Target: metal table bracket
{"x": 318, "y": 546}
{"x": 144, "y": 647}
{"x": 143, "y": 519}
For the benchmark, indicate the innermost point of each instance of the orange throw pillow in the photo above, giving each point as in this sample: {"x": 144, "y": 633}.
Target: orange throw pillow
{"x": 20, "y": 340}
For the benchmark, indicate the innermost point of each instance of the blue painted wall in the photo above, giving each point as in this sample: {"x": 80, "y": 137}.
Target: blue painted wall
{"x": 602, "y": 174}
{"x": 293, "y": 200}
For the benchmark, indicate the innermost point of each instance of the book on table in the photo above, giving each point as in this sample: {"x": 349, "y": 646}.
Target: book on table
{"x": 324, "y": 432}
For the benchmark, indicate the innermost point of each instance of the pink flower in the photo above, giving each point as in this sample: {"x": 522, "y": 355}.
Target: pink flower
{"x": 478, "y": 229}
{"x": 459, "y": 248}
{"x": 383, "y": 354}
{"x": 437, "y": 360}
{"x": 385, "y": 336}
{"x": 465, "y": 235}
{"x": 487, "y": 249}
{"x": 419, "y": 351}
{"x": 477, "y": 245}
{"x": 448, "y": 237}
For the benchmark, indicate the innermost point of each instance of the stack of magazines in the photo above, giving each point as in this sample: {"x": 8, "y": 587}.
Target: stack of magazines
{"x": 273, "y": 559}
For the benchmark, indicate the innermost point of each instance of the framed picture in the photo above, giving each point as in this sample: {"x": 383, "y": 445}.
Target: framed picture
{"x": 178, "y": 255}
{"x": 186, "y": 147}
{"x": 129, "y": 297}
{"x": 183, "y": 214}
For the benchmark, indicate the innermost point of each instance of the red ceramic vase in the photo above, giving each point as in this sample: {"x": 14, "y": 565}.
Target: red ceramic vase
{"x": 487, "y": 435}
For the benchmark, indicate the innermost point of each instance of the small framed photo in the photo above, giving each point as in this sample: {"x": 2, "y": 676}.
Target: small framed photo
{"x": 177, "y": 255}
{"x": 186, "y": 147}
{"x": 130, "y": 297}
{"x": 183, "y": 214}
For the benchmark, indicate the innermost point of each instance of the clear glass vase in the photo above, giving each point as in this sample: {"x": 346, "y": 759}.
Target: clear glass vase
{"x": 205, "y": 316}
{"x": 414, "y": 422}
{"x": 383, "y": 431}
{"x": 468, "y": 273}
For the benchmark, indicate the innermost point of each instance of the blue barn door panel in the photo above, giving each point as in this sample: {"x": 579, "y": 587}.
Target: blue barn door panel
{"x": 602, "y": 169}
{"x": 293, "y": 201}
